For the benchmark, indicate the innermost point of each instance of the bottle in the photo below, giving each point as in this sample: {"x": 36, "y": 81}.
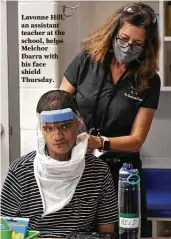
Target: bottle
{"x": 129, "y": 202}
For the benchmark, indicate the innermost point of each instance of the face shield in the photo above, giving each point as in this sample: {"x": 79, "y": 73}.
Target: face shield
{"x": 59, "y": 131}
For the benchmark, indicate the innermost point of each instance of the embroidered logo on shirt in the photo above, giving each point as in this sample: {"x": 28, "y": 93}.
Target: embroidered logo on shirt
{"x": 131, "y": 93}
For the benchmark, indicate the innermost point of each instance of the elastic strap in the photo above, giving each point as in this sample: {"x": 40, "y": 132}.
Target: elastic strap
{"x": 56, "y": 115}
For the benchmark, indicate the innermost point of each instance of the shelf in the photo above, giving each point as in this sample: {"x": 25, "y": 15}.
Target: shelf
{"x": 165, "y": 88}
{"x": 159, "y": 225}
{"x": 167, "y": 38}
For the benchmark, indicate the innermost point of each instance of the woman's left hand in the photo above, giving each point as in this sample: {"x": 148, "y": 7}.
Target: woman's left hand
{"x": 94, "y": 142}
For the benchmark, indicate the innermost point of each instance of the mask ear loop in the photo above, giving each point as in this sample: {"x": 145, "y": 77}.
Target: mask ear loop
{"x": 139, "y": 61}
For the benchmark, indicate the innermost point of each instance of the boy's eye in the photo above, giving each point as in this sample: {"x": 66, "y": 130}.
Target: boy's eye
{"x": 48, "y": 128}
{"x": 65, "y": 126}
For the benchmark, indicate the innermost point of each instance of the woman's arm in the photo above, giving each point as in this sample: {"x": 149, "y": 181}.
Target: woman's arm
{"x": 66, "y": 85}
{"x": 132, "y": 142}
{"x": 106, "y": 228}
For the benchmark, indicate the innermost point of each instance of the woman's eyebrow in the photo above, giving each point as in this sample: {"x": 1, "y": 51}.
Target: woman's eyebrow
{"x": 136, "y": 40}
{"x": 123, "y": 34}
{"x": 140, "y": 41}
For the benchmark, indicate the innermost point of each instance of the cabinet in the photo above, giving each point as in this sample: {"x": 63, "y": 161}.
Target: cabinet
{"x": 161, "y": 227}
{"x": 90, "y": 19}
{"x": 165, "y": 49}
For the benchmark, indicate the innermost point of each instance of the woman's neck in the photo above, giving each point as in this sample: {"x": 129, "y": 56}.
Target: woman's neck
{"x": 118, "y": 64}
{"x": 117, "y": 69}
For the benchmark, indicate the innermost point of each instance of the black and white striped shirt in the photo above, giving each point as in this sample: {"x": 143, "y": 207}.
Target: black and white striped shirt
{"x": 94, "y": 199}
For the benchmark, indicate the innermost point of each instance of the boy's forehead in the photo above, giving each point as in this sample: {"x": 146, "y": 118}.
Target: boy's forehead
{"x": 58, "y": 123}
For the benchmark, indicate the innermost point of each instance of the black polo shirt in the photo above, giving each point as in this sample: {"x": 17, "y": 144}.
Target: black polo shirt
{"x": 119, "y": 102}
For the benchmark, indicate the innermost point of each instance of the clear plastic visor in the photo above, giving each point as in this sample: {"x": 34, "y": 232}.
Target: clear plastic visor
{"x": 58, "y": 132}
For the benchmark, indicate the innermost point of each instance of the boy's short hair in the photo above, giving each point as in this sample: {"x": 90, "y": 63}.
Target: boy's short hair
{"x": 56, "y": 100}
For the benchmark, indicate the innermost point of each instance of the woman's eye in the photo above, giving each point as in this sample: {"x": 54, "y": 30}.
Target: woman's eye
{"x": 124, "y": 39}
{"x": 139, "y": 45}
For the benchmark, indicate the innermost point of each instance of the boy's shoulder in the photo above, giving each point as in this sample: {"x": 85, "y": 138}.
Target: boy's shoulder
{"x": 97, "y": 163}
{"x": 25, "y": 160}
{"x": 91, "y": 162}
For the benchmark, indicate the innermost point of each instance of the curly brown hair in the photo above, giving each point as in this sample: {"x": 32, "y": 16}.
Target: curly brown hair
{"x": 137, "y": 14}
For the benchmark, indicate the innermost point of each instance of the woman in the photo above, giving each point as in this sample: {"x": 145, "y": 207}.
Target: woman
{"x": 117, "y": 88}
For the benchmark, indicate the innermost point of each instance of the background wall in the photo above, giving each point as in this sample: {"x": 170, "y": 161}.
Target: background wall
{"x": 13, "y": 82}
{"x": 4, "y": 146}
{"x": 93, "y": 14}
{"x": 156, "y": 151}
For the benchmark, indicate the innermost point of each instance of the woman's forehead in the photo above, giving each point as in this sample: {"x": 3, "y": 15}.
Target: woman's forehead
{"x": 132, "y": 31}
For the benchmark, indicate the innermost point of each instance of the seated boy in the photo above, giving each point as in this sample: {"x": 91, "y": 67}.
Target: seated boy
{"x": 60, "y": 187}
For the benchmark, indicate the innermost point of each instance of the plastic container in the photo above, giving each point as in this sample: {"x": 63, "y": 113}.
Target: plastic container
{"x": 5, "y": 232}
{"x": 32, "y": 235}
{"x": 129, "y": 202}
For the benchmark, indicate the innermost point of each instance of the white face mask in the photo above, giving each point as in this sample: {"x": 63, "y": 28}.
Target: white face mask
{"x": 57, "y": 180}
{"x": 124, "y": 55}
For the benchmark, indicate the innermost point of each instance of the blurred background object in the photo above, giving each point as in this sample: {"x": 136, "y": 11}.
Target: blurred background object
{"x": 168, "y": 18}
{"x": 166, "y": 233}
